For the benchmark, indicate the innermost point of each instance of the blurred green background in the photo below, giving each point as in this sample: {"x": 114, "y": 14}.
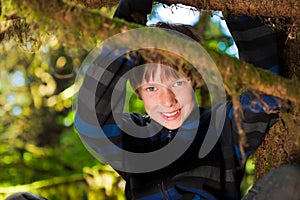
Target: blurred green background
{"x": 40, "y": 151}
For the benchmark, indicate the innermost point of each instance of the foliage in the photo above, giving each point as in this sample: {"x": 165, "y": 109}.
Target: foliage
{"x": 37, "y": 138}
{"x": 38, "y": 141}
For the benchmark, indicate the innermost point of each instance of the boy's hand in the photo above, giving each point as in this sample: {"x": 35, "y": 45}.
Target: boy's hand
{"x": 134, "y": 10}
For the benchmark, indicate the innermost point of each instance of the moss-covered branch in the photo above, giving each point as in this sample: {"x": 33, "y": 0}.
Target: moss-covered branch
{"x": 84, "y": 21}
{"x": 236, "y": 73}
{"x": 43, "y": 184}
{"x": 91, "y": 23}
{"x": 96, "y": 3}
{"x": 277, "y": 8}
{"x": 74, "y": 21}
{"x": 268, "y": 8}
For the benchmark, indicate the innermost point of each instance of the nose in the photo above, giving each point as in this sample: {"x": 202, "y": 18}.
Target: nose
{"x": 167, "y": 97}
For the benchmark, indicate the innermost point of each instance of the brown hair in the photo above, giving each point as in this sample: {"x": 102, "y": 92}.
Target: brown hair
{"x": 188, "y": 30}
{"x": 177, "y": 64}
{"x": 172, "y": 66}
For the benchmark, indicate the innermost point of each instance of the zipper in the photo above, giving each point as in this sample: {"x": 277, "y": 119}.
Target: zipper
{"x": 169, "y": 135}
{"x": 162, "y": 186}
{"x": 163, "y": 189}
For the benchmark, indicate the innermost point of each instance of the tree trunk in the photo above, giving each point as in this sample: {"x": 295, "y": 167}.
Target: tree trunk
{"x": 282, "y": 144}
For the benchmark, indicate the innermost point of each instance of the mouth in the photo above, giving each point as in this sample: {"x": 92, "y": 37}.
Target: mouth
{"x": 171, "y": 115}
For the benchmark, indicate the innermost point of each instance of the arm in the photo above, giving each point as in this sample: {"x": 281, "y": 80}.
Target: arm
{"x": 257, "y": 44}
{"x": 134, "y": 10}
{"x": 94, "y": 109}
{"x": 259, "y": 113}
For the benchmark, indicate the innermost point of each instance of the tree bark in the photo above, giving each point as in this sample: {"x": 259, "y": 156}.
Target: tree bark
{"x": 96, "y": 3}
{"x": 269, "y": 8}
{"x": 276, "y": 8}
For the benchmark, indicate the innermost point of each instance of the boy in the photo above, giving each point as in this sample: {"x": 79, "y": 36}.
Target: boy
{"x": 168, "y": 95}
{"x": 167, "y": 92}
{"x": 173, "y": 118}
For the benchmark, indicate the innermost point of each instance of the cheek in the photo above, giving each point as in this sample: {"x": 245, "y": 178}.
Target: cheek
{"x": 148, "y": 103}
{"x": 186, "y": 97}
{"x": 147, "y": 106}
{"x": 151, "y": 106}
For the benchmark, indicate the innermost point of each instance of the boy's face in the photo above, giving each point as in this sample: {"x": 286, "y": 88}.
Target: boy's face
{"x": 169, "y": 102}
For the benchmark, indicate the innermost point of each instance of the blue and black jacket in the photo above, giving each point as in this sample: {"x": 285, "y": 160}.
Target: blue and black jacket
{"x": 215, "y": 176}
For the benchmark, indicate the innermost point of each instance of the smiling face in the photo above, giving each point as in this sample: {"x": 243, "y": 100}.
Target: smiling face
{"x": 168, "y": 96}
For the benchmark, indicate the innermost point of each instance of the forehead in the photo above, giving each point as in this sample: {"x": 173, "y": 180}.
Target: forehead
{"x": 160, "y": 73}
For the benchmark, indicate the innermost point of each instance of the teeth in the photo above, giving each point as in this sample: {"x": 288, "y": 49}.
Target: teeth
{"x": 171, "y": 114}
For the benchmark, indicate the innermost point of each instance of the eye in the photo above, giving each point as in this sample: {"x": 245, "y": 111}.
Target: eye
{"x": 151, "y": 89}
{"x": 178, "y": 83}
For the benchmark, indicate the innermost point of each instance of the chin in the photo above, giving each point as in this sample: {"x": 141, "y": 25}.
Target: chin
{"x": 168, "y": 124}
{"x": 172, "y": 127}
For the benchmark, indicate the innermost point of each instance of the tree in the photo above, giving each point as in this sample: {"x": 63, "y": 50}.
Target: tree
{"x": 75, "y": 21}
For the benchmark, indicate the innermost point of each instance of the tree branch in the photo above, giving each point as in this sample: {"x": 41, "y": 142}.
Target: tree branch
{"x": 81, "y": 21}
{"x": 237, "y": 73}
{"x": 275, "y": 8}
{"x": 96, "y": 3}
{"x": 76, "y": 22}
{"x": 43, "y": 184}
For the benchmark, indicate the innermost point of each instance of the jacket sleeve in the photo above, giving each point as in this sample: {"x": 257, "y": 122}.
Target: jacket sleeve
{"x": 134, "y": 10}
{"x": 257, "y": 43}
{"x": 259, "y": 112}
{"x": 94, "y": 118}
